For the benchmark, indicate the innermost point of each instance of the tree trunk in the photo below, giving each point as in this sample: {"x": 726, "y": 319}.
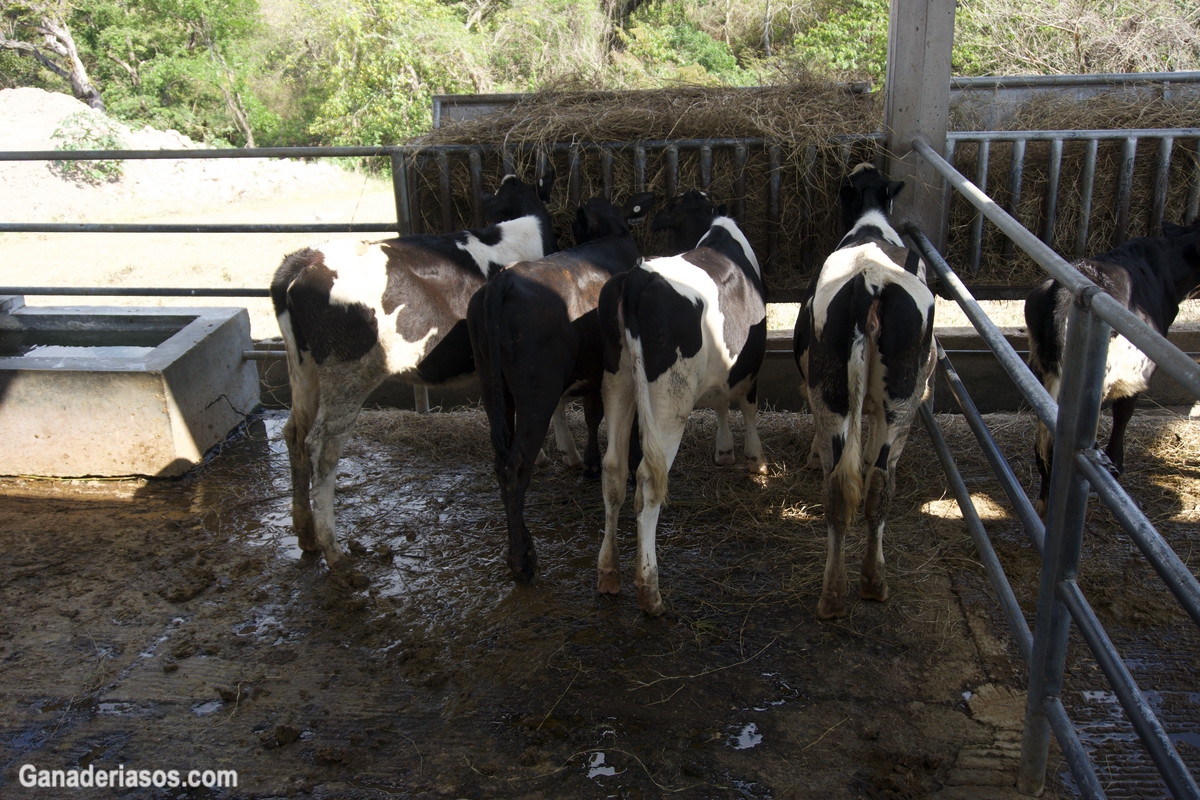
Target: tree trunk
{"x": 57, "y": 39}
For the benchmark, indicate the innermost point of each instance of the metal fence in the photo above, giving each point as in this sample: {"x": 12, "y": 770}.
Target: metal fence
{"x": 1077, "y": 463}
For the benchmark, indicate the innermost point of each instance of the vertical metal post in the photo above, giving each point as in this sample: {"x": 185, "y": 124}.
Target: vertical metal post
{"x": 421, "y": 399}
{"x": 1085, "y": 197}
{"x": 475, "y": 167}
{"x": 606, "y": 172}
{"x": 1050, "y": 209}
{"x": 1124, "y": 189}
{"x": 639, "y": 169}
{"x": 400, "y": 191}
{"x": 574, "y": 180}
{"x": 947, "y": 193}
{"x": 739, "y": 185}
{"x": 672, "y": 156}
{"x": 443, "y": 167}
{"x": 1016, "y": 172}
{"x": 807, "y": 178}
{"x": 1193, "y": 199}
{"x": 508, "y": 162}
{"x": 1161, "y": 178}
{"x": 705, "y": 166}
{"x": 774, "y": 188}
{"x": 413, "y": 170}
{"x": 1078, "y": 411}
{"x": 982, "y": 157}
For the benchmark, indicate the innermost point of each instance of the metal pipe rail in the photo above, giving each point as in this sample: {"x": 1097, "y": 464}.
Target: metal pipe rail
{"x": 1168, "y": 357}
{"x": 1076, "y": 466}
{"x": 131, "y": 291}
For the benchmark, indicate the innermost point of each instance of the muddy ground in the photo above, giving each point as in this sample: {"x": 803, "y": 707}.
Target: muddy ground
{"x": 174, "y": 625}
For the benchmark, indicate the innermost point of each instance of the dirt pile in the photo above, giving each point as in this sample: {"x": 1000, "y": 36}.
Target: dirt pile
{"x": 34, "y": 191}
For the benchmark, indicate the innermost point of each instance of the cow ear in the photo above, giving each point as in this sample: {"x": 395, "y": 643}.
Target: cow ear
{"x": 545, "y": 183}
{"x": 893, "y": 189}
{"x": 638, "y": 207}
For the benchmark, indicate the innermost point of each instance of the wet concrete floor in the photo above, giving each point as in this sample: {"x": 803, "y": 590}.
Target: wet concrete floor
{"x": 174, "y": 625}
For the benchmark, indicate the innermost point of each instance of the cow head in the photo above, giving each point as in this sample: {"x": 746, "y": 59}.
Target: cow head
{"x": 687, "y": 217}
{"x": 1184, "y": 240}
{"x": 866, "y": 189}
{"x": 597, "y": 217}
{"x": 515, "y": 198}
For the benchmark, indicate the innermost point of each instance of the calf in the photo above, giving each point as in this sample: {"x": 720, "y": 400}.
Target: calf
{"x": 864, "y": 344}
{"x": 1150, "y": 276}
{"x": 536, "y": 336}
{"x": 354, "y": 313}
{"x": 678, "y": 331}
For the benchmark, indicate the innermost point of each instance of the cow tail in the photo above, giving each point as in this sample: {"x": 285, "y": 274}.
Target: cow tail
{"x": 653, "y": 457}
{"x": 492, "y": 307}
{"x": 848, "y": 472}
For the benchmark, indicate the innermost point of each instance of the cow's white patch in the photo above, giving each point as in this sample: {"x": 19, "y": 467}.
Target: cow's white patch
{"x": 879, "y": 220}
{"x": 698, "y": 286}
{"x": 738, "y": 236}
{"x": 520, "y": 240}
{"x": 1127, "y": 371}
{"x": 877, "y": 269}
{"x": 360, "y": 278}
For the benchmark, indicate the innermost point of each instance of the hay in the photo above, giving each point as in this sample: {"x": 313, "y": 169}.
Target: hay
{"x": 803, "y": 113}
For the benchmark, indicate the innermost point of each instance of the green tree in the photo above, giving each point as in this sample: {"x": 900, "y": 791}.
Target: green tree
{"x": 40, "y": 31}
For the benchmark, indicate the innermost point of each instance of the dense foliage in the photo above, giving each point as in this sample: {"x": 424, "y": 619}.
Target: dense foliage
{"x": 364, "y": 71}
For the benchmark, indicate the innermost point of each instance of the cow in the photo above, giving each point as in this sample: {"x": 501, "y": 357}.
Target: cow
{"x": 536, "y": 337}
{"x": 1149, "y": 276}
{"x": 864, "y": 345}
{"x": 678, "y": 332}
{"x": 355, "y": 313}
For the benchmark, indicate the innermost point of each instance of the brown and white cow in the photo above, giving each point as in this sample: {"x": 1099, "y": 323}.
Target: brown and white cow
{"x": 864, "y": 345}
{"x": 536, "y": 335}
{"x": 355, "y": 313}
{"x": 1150, "y": 276}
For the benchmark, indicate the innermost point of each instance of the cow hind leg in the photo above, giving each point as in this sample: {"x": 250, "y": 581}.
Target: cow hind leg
{"x": 843, "y": 487}
{"x": 1122, "y": 412}
{"x": 563, "y": 437}
{"x": 514, "y": 482}
{"x": 295, "y": 431}
{"x": 1043, "y": 452}
{"x": 648, "y": 503}
{"x": 756, "y": 462}
{"x": 724, "y": 454}
{"x": 593, "y": 412}
{"x": 619, "y": 409}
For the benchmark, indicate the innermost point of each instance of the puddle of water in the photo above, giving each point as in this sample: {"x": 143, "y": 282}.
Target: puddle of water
{"x": 596, "y": 767}
{"x": 115, "y": 709}
{"x": 749, "y": 737}
{"x": 205, "y": 709}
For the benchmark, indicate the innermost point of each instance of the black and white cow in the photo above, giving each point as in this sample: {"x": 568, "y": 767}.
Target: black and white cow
{"x": 679, "y": 331}
{"x": 864, "y": 345}
{"x": 1150, "y": 276}
{"x": 355, "y": 313}
{"x": 536, "y": 335}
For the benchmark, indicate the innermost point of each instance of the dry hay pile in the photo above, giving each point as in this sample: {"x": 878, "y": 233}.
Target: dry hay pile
{"x": 1115, "y": 111}
{"x": 804, "y": 115}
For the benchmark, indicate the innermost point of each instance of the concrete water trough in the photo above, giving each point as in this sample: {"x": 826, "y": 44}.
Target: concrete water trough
{"x": 105, "y": 391}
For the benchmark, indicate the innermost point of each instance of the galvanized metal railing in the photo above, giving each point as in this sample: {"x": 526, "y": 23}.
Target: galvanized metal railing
{"x": 1090, "y": 140}
{"x": 1077, "y": 464}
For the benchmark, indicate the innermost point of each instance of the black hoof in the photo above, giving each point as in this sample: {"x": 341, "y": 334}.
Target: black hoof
{"x": 591, "y": 473}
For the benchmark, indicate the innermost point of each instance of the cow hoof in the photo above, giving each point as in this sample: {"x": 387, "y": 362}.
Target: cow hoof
{"x": 572, "y": 461}
{"x": 650, "y": 601}
{"x": 814, "y": 461}
{"x": 756, "y": 467}
{"x": 831, "y": 606}
{"x": 725, "y": 458}
{"x": 609, "y": 581}
{"x": 873, "y": 589}
{"x": 542, "y": 459}
{"x": 1041, "y": 509}
{"x": 591, "y": 473}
